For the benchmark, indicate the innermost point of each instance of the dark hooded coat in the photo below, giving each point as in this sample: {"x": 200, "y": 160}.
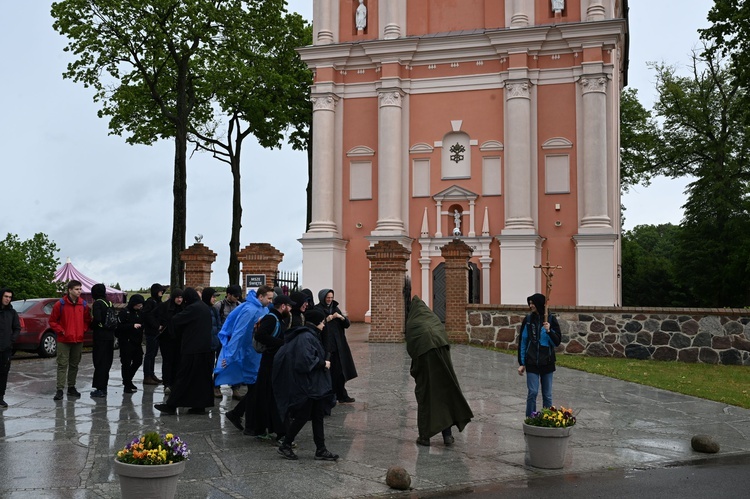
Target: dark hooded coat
{"x": 10, "y": 324}
{"x": 194, "y": 385}
{"x": 299, "y": 372}
{"x": 440, "y": 402}
{"x": 168, "y": 342}
{"x": 334, "y": 336}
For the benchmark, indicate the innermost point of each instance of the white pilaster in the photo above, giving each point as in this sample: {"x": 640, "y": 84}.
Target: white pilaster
{"x": 324, "y": 264}
{"x": 424, "y": 264}
{"x": 390, "y": 220}
{"x": 323, "y": 164}
{"x": 596, "y": 269}
{"x": 520, "y": 16}
{"x": 323, "y": 22}
{"x": 390, "y": 18}
{"x": 594, "y": 178}
{"x": 439, "y": 220}
{"x": 472, "y": 206}
{"x": 518, "y": 155}
{"x": 485, "y": 262}
{"x": 518, "y": 277}
{"x": 595, "y": 11}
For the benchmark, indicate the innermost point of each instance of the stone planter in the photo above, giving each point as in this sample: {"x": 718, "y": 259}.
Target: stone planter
{"x": 546, "y": 447}
{"x": 148, "y": 481}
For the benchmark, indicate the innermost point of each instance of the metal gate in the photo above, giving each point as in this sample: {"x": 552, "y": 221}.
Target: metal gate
{"x": 474, "y": 296}
{"x": 287, "y": 281}
{"x": 438, "y": 288}
{"x": 438, "y": 291}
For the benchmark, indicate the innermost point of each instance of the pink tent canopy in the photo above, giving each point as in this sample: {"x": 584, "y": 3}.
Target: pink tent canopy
{"x": 68, "y": 272}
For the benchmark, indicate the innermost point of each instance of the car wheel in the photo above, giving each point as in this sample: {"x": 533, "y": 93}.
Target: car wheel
{"x": 48, "y": 345}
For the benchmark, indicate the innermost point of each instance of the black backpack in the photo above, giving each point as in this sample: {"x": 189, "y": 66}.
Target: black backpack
{"x": 111, "y": 321}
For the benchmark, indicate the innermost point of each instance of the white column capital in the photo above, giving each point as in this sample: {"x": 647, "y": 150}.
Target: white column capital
{"x": 390, "y": 98}
{"x": 325, "y": 102}
{"x": 520, "y": 89}
{"x": 593, "y": 83}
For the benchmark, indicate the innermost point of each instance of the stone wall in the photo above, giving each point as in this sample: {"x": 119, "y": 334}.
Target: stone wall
{"x": 711, "y": 336}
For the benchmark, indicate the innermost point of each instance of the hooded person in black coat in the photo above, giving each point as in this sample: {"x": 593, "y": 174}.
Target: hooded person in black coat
{"x": 104, "y": 341}
{"x": 130, "y": 336}
{"x": 150, "y": 332}
{"x": 193, "y": 387}
{"x": 334, "y": 339}
{"x": 10, "y": 329}
{"x": 303, "y": 385}
{"x": 168, "y": 343}
{"x": 536, "y": 351}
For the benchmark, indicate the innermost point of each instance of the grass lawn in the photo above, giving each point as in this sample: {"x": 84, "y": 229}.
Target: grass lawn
{"x": 725, "y": 384}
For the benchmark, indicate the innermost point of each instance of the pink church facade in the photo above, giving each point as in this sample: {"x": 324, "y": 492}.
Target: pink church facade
{"x": 493, "y": 121}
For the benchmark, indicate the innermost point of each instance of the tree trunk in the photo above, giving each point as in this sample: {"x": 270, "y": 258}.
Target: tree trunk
{"x": 234, "y": 242}
{"x": 179, "y": 215}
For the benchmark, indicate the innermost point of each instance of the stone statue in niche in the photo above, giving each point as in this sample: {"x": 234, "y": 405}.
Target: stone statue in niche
{"x": 558, "y": 6}
{"x": 457, "y": 222}
{"x": 361, "y": 16}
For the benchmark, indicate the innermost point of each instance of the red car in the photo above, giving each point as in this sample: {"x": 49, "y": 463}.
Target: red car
{"x": 36, "y": 334}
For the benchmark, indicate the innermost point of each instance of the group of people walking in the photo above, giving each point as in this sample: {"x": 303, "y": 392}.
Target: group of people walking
{"x": 295, "y": 361}
{"x": 290, "y": 353}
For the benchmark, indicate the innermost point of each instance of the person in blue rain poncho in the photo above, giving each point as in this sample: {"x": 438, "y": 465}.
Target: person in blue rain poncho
{"x": 238, "y": 361}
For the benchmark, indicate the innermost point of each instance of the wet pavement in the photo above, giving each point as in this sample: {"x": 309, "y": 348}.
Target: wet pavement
{"x": 65, "y": 449}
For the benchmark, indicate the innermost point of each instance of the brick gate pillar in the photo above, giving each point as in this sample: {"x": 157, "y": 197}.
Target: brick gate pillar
{"x": 259, "y": 258}
{"x": 456, "y": 254}
{"x": 198, "y": 260}
{"x": 388, "y": 310}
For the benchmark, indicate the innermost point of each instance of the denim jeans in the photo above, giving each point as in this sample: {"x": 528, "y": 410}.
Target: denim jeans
{"x": 532, "y": 383}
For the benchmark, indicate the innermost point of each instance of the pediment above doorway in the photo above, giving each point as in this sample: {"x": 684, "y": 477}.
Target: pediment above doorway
{"x": 455, "y": 193}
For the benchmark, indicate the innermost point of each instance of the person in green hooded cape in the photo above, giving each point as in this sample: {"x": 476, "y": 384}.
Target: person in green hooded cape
{"x": 440, "y": 402}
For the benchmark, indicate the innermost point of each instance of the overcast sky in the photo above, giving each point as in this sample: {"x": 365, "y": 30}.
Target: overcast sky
{"x": 108, "y": 205}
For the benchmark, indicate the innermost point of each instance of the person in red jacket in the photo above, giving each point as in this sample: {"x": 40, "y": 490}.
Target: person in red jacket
{"x": 70, "y": 318}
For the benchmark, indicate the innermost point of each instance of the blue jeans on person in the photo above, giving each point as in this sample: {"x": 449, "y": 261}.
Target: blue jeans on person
{"x": 532, "y": 383}
{"x": 149, "y": 359}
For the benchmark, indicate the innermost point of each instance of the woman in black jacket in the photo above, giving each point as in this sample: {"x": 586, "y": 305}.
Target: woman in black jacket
{"x": 168, "y": 344}
{"x": 104, "y": 341}
{"x": 536, "y": 352}
{"x": 334, "y": 339}
{"x": 303, "y": 384}
{"x": 130, "y": 335}
{"x": 193, "y": 387}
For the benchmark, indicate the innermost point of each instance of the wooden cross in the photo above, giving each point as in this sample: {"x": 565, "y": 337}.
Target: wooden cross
{"x": 549, "y": 272}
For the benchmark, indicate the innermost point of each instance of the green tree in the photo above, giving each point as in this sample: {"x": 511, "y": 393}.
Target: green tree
{"x": 148, "y": 64}
{"x": 639, "y": 142}
{"x": 704, "y": 136}
{"x": 28, "y": 267}
{"x": 729, "y": 36}
{"x": 648, "y": 272}
{"x": 260, "y": 87}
